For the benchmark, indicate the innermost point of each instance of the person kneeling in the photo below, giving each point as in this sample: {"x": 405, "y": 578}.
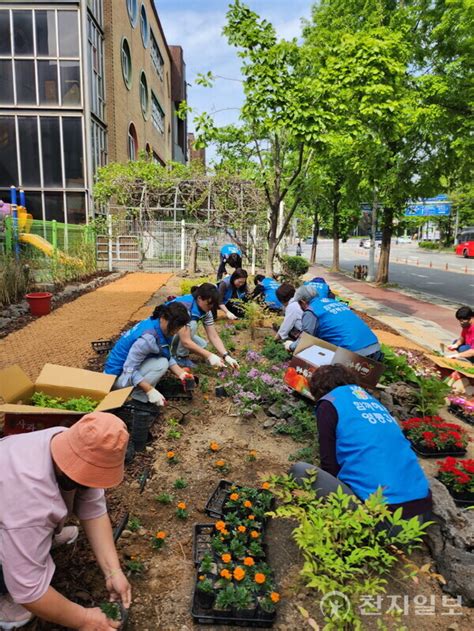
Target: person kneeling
{"x": 233, "y": 291}
{"x": 362, "y": 446}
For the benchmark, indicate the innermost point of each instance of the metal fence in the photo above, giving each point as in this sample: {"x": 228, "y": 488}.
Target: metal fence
{"x": 154, "y": 245}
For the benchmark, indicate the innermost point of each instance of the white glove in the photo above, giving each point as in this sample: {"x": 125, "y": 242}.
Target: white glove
{"x": 230, "y": 316}
{"x": 233, "y": 363}
{"x": 453, "y": 356}
{"x": 155, "y": 397}
{"x": 215, "y": 361}
{"x": 288, "y": 345}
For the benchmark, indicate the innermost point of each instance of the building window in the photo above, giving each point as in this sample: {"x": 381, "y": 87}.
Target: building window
{"x": 157, "y": 114}
{"x": 132, "y": 7}
{"x": 96, "y": 68}
{"x": 157, "y": 57}
{"x": 144, "y": 98}
{"x": 126, "y": 64}
{"x": 96, "y": 8}
{"x": 99, "y": 146}
{"x": 144, "y": 26}
{"x": 132, "y": 142}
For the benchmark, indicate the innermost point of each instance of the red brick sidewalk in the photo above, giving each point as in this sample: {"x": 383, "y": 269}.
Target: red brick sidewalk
{"x": 442, "y": 316}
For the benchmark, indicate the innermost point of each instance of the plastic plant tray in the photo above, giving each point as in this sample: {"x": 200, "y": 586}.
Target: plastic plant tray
{"x": 102, "y": 346}
{"x": 210, "y": 616}
{"x": 202, "y": 535}
{"x": 426, "y": 453}
{"x": 215, "y": 504}
{"x": 172, "y": 389}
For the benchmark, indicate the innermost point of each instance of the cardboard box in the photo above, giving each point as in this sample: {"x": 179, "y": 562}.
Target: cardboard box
{"x": 16, "y": 388}
{"x": 311, "y": 352}
{"x": 451, "y": 365}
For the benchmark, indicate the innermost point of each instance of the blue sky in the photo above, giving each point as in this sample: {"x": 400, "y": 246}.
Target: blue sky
{"x": 196, "y": 25}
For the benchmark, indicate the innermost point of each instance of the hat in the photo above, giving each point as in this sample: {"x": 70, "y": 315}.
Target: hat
{"x": 306, "y": 293}
{"x": 92, "y": 451}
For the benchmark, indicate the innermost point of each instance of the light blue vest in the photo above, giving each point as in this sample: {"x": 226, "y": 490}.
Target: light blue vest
{"x": 240, "y": 291}
{"x": 119, "y": 353}
{"x": 371, "y": 449}
{"x": 270, "y": 286}
{"x": 321, "y": 288}
{"x": 228, "y": 249}
{"x": 339, "y": 325}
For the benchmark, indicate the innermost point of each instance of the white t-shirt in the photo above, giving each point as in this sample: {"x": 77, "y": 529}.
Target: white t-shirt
{"x": 293, "y": 315}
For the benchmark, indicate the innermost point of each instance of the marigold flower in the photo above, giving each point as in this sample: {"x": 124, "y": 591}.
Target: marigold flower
{"x": 214, "y": 446}
{"x": 161, "y": 535}
{"x": 234, "y": 496}
{"x": 239, "y": 573}
{"x": 241, "y": 528}
{"x": 224, "y": 531}
{"x": 248, "y": 504}
{"x": 275, "y": 597}
{"x": 254, "y": 534}
{"x": 266, "y": 486}
{"x": 170, "y": 454}
{"x": 220, "y": 463}
{"x": 251, "y": 517}
{"x": 260, "y": 578}
{"x": 248, "y": 561}
{"x": 227, "y": 558}
{"x": 220, "y": 525}
{"x": 182, "y": 505}
{"x": 226, "y": 574}
{"x": 201, "y": 577}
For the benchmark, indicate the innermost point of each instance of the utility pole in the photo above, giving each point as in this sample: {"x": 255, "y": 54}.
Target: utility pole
{"x": 371, "y": 270}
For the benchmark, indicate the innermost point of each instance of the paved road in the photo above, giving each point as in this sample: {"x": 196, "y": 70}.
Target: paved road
{"x": 456, "y": 287}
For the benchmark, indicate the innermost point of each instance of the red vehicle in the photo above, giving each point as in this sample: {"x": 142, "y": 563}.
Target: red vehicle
{"x": 465, "y": 246}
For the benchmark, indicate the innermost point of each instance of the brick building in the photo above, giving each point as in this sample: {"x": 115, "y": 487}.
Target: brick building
{"x": 83, "y": 83}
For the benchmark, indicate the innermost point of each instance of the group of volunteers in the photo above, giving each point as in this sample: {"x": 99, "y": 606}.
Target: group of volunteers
{"x": 70, "y": 469}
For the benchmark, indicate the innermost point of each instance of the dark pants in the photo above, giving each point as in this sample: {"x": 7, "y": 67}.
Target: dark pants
{"x": 221, "y": 270}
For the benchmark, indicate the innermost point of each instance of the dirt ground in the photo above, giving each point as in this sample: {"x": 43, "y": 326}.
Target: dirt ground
{"x": 162, "y": 591}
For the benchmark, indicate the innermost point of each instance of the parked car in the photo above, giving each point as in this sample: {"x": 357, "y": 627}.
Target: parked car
{"x": 365, "y": 243}
{"x": 402, "y": 239}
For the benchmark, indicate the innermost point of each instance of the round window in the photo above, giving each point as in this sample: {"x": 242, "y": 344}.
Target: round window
{"x": 144, "y": 26}
{"x": 126, "y": 63}
{"x": 144, "y": 96}
{"x": 132, "y": 8}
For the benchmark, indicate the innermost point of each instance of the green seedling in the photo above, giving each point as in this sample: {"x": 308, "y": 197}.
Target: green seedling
{"x": 133, "y": 524}
{"x": 111, "y": 610}
{"x": 204, "y": 384}
{"x": 174, "y": 434}
{"x": 164, "y": 498}
{"x": 134, "y": 566}
{"x": 180, "y": 483}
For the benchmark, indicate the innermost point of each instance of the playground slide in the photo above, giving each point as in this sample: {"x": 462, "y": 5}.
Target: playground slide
{"x": 45, "y": 246}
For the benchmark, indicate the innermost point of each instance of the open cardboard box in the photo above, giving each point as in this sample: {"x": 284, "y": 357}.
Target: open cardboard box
{"x": 451, "y": 365}
{"x": 16, "y": 388}
{"x": 311, "y": 352}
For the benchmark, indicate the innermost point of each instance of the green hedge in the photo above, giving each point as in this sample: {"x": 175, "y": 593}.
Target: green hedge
{"x": 429, "y": 245}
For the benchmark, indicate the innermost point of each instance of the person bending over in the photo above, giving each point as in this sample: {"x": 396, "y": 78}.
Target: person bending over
{"x": 464, "y": 345}
{"x": 265, "y": 290}
{"x": 233, "y": 289}
{"x": 46, "y": 476}
{"x": 362, "y": 446}
{"x": 290, "y": 328}
{"x": 229, "y": 255}
{"x": 321, "y": 286}
{"x": 200, "y": 304}
{"x": 142, "y": 355}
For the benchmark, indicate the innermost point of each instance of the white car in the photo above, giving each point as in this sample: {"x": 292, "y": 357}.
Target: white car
{"x": 365, "y": 243}
{"x": 399, "y": 240}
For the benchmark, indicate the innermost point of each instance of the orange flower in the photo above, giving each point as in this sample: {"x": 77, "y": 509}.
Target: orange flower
{"x": 220, "y": 463}
{"x": 226, "y": 574}
{"x": 248, "y": 504}
{"x": 254, "y": 534}
{"x": 239, "y": 573}
{"x": 182, "y": 505}
{"x": 251, "y": 517}
{"x": 202, "y": 577}
{"x": 249, "y": 561}
{"x": 234, "y": 496}
{"x": 220, "y": 525}
{"x": 170, "y": 454}
{"x": 226, "y": 558}
{"x": 214, "y": 446}
{"x": 241, "y": 528}
{"x": 260, "y": 578}
{"x": 224, "y": 531}
{"x": 266, "y": 486}
{"x": 275, "y": 596}
{"x": 161, "y": 535}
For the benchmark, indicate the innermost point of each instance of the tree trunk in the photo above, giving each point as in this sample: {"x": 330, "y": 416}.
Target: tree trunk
{"x": 192, "y": 266}
{"x": 272, "y": 246}
{"x": 314, "y": 245}
{"x": 387, "y": 229}
{"x": 272, "y": 239}
{"x": 335, "y": 234}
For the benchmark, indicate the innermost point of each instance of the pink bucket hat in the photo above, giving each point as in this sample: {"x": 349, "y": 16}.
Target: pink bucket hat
{"x": 92, "y": 451}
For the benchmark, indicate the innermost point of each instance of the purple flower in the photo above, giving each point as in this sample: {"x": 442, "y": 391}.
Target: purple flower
{"x": 267, "y": 379}
{"x": 253, "y": 356}
{"x": 253, "y": 372}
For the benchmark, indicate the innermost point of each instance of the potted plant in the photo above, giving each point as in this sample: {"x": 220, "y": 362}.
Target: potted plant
{"x": 245, "y": 605}
{"x": 431, "y": 436}
{"x": 458, "y": 477}
{"x": 267, "y": 605}
{"x": 208, "y": 566}
{"x": 224, "y": 601}
{"x": 205, "y": 594}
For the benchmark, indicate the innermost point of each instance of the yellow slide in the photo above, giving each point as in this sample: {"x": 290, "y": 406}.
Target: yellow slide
{"x": 45, "y": 246}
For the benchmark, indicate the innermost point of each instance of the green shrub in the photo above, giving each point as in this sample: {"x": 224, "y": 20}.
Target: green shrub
{"x": 15, "y": 279}
{"x": 429, "y": 245}
{"x": 187, "y": 283}
{"x": 274, "y": 351}
{"x": 430, "y": 395}
{"x": 293, "y": 267}
{"x": 397, "y": 367}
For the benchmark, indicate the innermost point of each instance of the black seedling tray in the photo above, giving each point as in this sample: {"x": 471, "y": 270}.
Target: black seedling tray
{"x": 202, "y": 535}
{"x": 437, "y": 454}
{"x": 210, "y": 616}
{"x": 102, "y": 346}
{"x": 173, "y": 389}
{"x": 215, "y": 504}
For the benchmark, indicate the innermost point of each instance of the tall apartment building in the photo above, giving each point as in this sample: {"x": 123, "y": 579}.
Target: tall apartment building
{"x": 83, "y": 83}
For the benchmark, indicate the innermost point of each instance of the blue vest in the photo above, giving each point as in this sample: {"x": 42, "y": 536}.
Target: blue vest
{"x": 269, "y": 293}
{"x": 240, "y": 292}
{"x": 195, "y": 313}
{"x": 339, "y": 325}
{"x": 229, "y": 248}
{"x": 321, "y": 288}
{"x": 371, "y": 449}
{"x": 119, "y": 353}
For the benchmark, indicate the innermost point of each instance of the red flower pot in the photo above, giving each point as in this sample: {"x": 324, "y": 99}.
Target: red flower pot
{"x": 39, "y": 302}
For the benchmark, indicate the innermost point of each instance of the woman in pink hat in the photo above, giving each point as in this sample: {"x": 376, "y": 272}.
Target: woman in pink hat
{"x": 46, "y": 476}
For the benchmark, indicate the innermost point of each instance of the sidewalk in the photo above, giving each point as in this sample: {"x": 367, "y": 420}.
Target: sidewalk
{"x": 422, "y": 322}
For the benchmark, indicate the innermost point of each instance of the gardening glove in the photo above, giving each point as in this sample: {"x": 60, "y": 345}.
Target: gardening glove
{"x": 96, "y": 620}
{"x": 155, "y": 397}
{"x": 288, "y": 344}
{"x": 186, "y": 375}
{"x": 215, "y": 361}
{"x": 231, "y": 316}
{"x": 233, "y": 363}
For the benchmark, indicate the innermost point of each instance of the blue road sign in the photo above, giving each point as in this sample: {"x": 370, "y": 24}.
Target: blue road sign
{"x": 438, "y": 206}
